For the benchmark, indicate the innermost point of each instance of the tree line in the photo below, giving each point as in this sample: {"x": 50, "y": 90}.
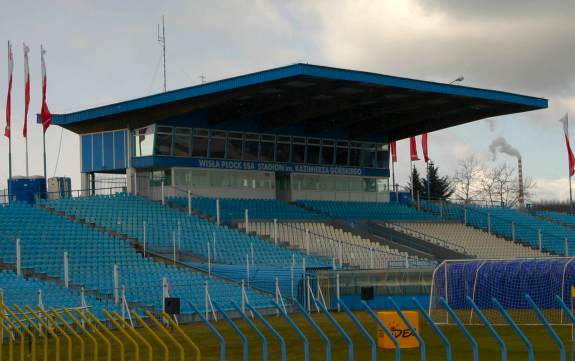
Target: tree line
{"x": 473, "y": 182}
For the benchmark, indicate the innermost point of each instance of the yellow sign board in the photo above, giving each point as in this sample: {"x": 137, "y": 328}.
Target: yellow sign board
{"x": 572, "y": 291}
{"x": 399, "y": 329}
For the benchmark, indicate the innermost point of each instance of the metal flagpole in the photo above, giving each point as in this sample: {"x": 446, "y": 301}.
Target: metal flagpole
{"x": 411, "y": 171}
{"x": 393, "y": 180}
{"x": 27, "y": 168}
{"x": 10, "y": 157}
{"x": 44, "y": 146}
{"x": 570, "y": 195}
{"x": 428, "y": 184}
{"x": 10, "y": 60}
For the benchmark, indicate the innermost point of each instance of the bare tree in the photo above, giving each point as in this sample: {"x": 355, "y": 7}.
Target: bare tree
{"x": 474, "y": 182}
{"x": 500, "y": 185}
{"x": 466, "y": 179}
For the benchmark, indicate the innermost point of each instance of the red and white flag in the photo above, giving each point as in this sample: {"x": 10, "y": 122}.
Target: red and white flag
{"x": 424, "y": 147}
{"x": 565, "y": 121}
{"x": 26, "y": 90}
{"x": 393, "y": 146}
{"x": 9, "y": 97}
{"x": 45, "y": 112}
{"x": 413, "y": 149}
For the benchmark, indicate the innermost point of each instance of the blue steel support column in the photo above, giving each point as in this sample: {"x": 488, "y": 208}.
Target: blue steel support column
{"x": 571, "y": 318}
{"x": 435, "y": 328}
{"x": 296, "y": 329}
{"x": 474, "y": 346}
{"x": 411, "y": 328}
{"x": 271, "y": 329}
{"x": 317, "y": 328}
{"x": 339, "y": 330}
{"x": 221, "y": 339}
{"x": 516, "y": 329}
{"x": 489, "y": 327}
{"x": 255, "y": 329}
{"x": 556, "y": 338}
{"x": 385, "y": 330}
{"x": 236, "y": 330}
{"x": 362, "y": 329}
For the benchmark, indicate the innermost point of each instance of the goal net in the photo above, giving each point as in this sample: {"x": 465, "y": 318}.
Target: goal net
{"x": 507, "y": 281}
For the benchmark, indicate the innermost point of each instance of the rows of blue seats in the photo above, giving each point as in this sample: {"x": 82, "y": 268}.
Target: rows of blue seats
{"x": 26, "y": 291}
{"x": 564, "y": 218}
{"x": 44, "y": 237}
{"x": 127, "y": 214}
{"x": 502, "y": 219}
{"x": 367, "y": 210}
{"x": 258, "y": 209}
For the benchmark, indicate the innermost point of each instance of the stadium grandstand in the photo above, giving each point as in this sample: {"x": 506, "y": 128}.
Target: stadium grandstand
{"x": 268, "y": 194}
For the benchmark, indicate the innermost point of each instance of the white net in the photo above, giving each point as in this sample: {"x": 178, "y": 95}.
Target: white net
{"x": 507, "y": 281}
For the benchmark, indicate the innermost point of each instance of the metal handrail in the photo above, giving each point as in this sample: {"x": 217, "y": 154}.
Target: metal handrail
{"x": 345, "y": 242}
{"x": 424, "y": 236}
{"x": 493, "y": 217}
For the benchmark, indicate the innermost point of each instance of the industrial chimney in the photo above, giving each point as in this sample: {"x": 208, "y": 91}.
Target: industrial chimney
{"x": 521, "y": 197}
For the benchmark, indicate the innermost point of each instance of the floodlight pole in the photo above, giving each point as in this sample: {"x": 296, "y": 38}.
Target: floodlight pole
{"x": 162, "y": 41}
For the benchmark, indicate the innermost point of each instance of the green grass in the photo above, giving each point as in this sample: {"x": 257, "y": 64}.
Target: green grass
{"x": 545, "y": 348}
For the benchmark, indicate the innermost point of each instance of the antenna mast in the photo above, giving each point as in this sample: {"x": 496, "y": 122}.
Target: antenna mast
{"x": 162, "y": 41}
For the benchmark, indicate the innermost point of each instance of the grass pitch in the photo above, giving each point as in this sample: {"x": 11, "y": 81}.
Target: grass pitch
{"x": 545, "y": 348}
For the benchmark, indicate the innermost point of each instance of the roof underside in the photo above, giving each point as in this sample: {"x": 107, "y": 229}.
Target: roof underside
{"x": 310, "y": 100}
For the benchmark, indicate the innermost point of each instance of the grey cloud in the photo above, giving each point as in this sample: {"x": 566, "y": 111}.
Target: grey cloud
{"x": 489, "y": 9}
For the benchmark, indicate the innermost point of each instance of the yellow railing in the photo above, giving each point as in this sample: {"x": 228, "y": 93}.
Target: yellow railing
{"x": 77, "y": 334}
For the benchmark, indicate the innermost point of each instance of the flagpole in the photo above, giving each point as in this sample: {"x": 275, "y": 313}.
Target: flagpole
{"x": 393, "y": 180}
{"x": 411, "y": 171}
{"x": 27, "y": 168}
{"x": 570, "y": 197}
{"x": 44, "y": 146}
{"x": 10, "y": 157}
{"x": 428, "y": 184}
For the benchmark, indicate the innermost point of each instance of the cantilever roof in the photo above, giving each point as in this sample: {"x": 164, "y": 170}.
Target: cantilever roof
{"x": 304, "y": 99}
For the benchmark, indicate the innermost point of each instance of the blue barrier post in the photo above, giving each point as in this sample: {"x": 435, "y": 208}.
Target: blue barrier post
{"x": 474, "y": 346}
{"x": 385, "y": 330}
{"x": 571, "y": 318}
{"x": 339, "y": 329}
{"x": 411, "y": 328}
{"x": 271, "y": 329}
{"x": 295, "y": 328}
{"x": 317, "y": 328}
{"x": 565, "y": 309}
{"x": 361, "y": 329}
{"x": 562, "y": 354}
{"x": 489, "y": 327}
{"x": 255, "y": 329}
{"x": 516, "y": 329}
{"x": 435, "y": 328}
{"x": 236, "y": 330}
{"x": 221, "y": 339}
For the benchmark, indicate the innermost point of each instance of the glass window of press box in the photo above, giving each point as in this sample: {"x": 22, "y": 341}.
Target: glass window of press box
{"x": 204, "y": 178}
{"x": 218, "y": 144}
{"x": 331, "y": 183}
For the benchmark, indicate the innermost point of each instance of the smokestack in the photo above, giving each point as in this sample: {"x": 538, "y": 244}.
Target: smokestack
{"x": 521, "y": 197}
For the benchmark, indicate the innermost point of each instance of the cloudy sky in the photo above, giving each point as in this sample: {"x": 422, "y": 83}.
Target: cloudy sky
{"x": 103, "y": 51}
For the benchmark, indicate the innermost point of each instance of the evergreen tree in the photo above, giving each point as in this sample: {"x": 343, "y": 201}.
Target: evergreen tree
{"x": 417, "y": 185}
{"x": 440, "y": 187}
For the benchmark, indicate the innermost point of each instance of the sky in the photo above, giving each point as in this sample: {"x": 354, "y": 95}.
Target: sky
{"x": 103, "y": 51}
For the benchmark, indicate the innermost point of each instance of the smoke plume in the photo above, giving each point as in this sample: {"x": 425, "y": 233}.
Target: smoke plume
{"x": 500, "y": 145}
